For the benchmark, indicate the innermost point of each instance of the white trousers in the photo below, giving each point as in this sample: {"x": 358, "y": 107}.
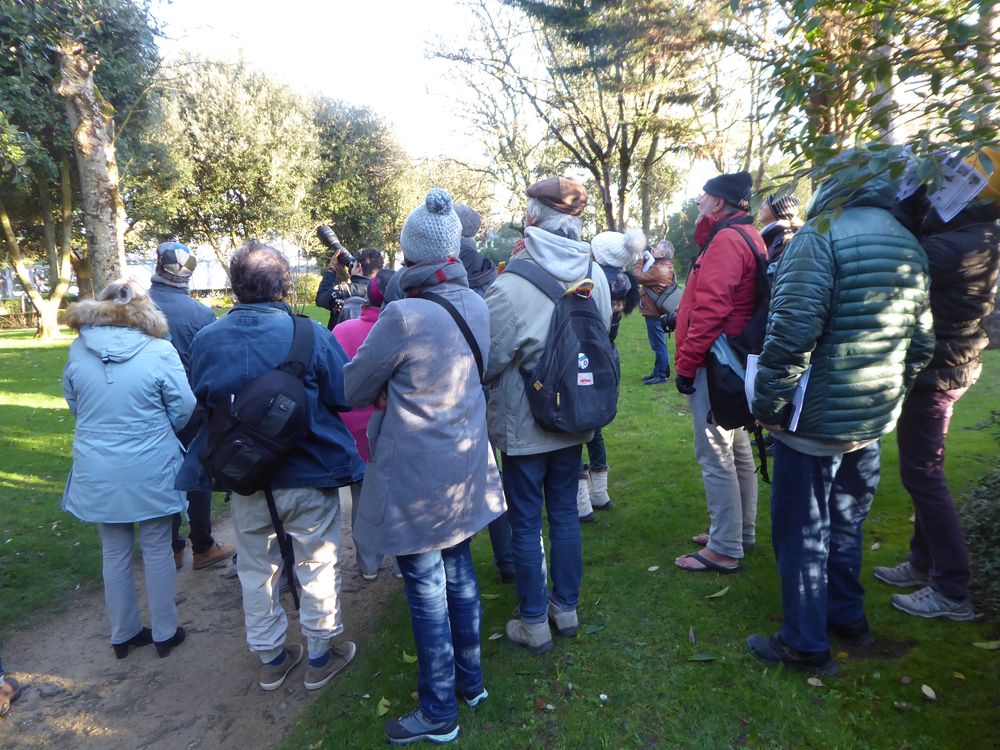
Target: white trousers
{"x": 311, "y": 517}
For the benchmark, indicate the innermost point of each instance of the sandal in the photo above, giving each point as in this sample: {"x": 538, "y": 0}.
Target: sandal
{"x": 708, "y": 565}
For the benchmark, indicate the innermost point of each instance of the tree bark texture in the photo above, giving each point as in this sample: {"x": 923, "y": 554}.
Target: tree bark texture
{"x": 90, "y": 117}
{"x": 47, "y": 308}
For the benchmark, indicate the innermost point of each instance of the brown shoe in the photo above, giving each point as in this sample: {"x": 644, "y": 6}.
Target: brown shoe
{"x": 340, "y": 656}
{"x": 213, "y": 555}
{"x": 9, "y": 691}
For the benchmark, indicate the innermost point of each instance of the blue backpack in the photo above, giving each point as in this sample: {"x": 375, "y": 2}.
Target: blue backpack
{"x": 574, "y": 386}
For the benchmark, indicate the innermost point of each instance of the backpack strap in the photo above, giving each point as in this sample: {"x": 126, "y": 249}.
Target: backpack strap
{"x": 463, "y": 327}
{"x": 540, "y": 278}
{"x": 300, "y": 354}
{"x": 760, "y": 279}
{"x": 284, "y": 544}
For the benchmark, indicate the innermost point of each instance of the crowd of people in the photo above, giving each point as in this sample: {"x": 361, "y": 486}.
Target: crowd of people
{"x": 419, "y": 405}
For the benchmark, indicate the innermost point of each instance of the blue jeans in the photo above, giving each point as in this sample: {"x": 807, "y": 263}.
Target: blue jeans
{"x": 658, "y": 343}
{"x": 818, "y": 504}
{"x": 443, "y": 595}
{"x": 597, "y": 454}
{"x": 528, "y": 481}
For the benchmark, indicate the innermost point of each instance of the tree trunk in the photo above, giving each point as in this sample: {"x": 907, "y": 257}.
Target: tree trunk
{"x": 47, "y": 309}
{"x": 645, "y": 207}
{"x": 93, "y": 142}
{"x": 84, "y": 281}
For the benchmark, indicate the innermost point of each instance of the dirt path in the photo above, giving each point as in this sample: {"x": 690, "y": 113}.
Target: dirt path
{"x": 204, "y": 695}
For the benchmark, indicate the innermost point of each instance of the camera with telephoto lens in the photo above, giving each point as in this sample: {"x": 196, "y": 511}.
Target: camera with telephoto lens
{"x": 329, "y": 238}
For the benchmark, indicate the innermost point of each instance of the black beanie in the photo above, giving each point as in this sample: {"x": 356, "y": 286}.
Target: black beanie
{"x": 733, "y": 188}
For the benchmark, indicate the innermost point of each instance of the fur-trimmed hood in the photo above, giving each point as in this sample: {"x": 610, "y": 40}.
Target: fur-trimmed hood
{"x": 139, "y": 313}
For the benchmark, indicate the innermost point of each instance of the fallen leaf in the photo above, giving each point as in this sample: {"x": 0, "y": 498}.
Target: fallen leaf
{"x": 875, "y": 546}
{"x": 383, "y": 707}
{"x": 598, "y": 601}
{"x": 958, "y": 675}
{"x": 593, "y": 628}
{"x": 414, "y": 695}
{"x": 691, "y": 637}
{"x": 928, "y": 692}
{"x": 539, "y": 704}
{"x": 603, "y": 697}
{"x": 377, "y": 675}
{"x": 717, "y": 594}
{"x": 409, "y": 658}
{"x": 988, "y": 645}
{"x": 488, "y": 725}
{"x": 366, "y": 696}
{"x": 653, "y": 568}
{"x": 815, "y": 681}
{"x": 489, "y": 596}
{"x": 905, "y": 680}
{"x": 901, "y": 706}
{"x": 549, "y": 707}
{"x": 701, "y": 657}
{"x": 843, "y": 655}
{"x": 496, "y": 636}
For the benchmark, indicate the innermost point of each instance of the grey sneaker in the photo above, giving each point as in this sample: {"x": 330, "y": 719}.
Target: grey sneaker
{"x": 272, "y": 676}
{"x": 534, "y": 636}
{"x": 930, "y": 603}
{"x": 341, "y": 655}
{"x": 903, "y": 575}
{"x": 414, "y": 727}
{"x": 563, "y": 620}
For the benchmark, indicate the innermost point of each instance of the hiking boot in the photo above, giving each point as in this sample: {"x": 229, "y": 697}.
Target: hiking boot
{"x": 857, "y": 634}
{"x": 930, "y": 603}
{"x": 599, "y": 498}
{"x": 534, "y": 636}
{"x": 774, "y": 651}
{"x": 414, "y": 727}
{"x": 272, "y": 676}
{"x": 10, "y": 690}
{"x": 583, "y": 508}
{"x": 212, "y": 556}
{"x": 475, "y": 700}
{"x": 339, "y": 657}
{"x": 563, "y": 620}
{"x": 903, "y": 575}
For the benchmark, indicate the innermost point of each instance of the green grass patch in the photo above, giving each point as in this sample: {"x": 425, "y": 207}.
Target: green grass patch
{"x": 637, "y": 626}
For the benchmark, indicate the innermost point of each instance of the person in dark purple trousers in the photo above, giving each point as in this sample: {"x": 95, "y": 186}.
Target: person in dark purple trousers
{"x": 964, "y": 254}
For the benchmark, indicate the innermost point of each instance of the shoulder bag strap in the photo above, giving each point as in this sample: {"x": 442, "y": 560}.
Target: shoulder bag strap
{"x": 463, "y": 327}
{"x": 284, "y": 544}
{"x": 301, "y": 350}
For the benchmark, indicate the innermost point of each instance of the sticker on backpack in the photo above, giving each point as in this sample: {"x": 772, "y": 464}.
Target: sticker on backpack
{"x": 585, "y": 378}
{"x": 583, "y": 361}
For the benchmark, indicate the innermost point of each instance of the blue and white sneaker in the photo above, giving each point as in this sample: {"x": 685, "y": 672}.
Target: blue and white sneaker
{"x": 414, "y": 727}
{"x": 476, "y": 699}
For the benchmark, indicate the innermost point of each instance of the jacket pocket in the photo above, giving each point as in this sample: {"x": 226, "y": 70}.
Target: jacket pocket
{"x": 376, "y": 488}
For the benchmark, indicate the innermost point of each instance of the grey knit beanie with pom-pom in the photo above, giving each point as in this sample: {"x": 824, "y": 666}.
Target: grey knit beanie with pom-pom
{"x": 432, "y": 231}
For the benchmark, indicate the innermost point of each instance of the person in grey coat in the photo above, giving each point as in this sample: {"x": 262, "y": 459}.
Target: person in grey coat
{"x": 432, "y": 481}
{"x": 125, "y": 385}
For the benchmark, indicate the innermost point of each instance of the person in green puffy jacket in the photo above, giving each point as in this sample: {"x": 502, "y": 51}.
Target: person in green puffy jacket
{"x": 850, "y": 300}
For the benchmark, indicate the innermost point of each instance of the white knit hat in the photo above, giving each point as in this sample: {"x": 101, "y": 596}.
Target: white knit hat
{"x": 616, "y": 249}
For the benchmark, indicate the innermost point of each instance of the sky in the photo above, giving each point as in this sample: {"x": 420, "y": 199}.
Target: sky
{"x": 365, "y": 52}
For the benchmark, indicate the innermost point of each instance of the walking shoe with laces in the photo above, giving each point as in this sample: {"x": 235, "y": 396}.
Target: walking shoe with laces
{"x": 340, "y": 656}
{"x": 272, "y": 676}
{"x": 563, "y": 620}
{"x": 930, "y": 603}
{"x": 903, "y": 575}
{"x": 476, "y": 699}
{"x": 774, "y": 651}
{"x": 414, "y": 727}
{"x": 215, "y": 554}
{"x": 534, "y": 636}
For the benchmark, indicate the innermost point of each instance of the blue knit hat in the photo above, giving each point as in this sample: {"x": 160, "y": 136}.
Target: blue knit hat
{"x": 432, "y": 231}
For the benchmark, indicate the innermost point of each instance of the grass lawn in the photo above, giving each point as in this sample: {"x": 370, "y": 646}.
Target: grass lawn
{"x": 670, "y": 659}
{"x": 637, "y": 626}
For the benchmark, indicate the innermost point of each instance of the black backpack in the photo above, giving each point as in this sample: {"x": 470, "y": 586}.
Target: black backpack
{"x": 266, "y": 419}
{"x": 574, "y": 386}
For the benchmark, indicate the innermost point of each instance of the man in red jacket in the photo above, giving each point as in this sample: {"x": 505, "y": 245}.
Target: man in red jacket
{"x": 719, "y": 298}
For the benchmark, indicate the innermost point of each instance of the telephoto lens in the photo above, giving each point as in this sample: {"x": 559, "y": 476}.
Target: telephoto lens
{"x": 328, "y": 237}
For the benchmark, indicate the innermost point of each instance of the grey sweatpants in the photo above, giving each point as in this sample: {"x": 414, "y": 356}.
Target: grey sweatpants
{"x": 117, "y": 545}
{"x": 311, "y": 517}
{"x": 728, "y": 471}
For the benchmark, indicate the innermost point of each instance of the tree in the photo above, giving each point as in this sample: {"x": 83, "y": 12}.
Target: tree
{"x": 361, "y": 177}
{"x": 610, "y": 108}
{"x": 41, "y": 185}
{"x": 246, "y": 155}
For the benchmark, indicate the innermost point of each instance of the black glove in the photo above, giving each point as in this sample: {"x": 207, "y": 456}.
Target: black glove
{"x": 684, "y": 384}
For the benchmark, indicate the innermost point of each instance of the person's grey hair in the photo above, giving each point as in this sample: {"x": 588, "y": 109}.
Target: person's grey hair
{"x": 259, "y": 273}
{"x": 543, "y": 217}
{"x": 121, "y": 292}
{"x": 666, "y": 247}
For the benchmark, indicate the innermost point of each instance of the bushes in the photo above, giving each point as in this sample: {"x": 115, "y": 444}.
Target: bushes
{"x": 981, "y": 522}
{"x": 304, "y": 288}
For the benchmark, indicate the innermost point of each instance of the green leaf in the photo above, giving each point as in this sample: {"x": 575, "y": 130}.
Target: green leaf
{"x": 383, "y": 707}
{"x": 717, "y": 594}
{"x": 988, "y": 645}
{"x": 489, "y": 596}
{"x": 594, "y": 628}
{"x": 409, "y": 658}
{"x": 702, "y": 657}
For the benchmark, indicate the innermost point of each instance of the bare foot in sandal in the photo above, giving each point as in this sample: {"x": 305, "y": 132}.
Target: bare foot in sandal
{"x": 701, "y": 538}
{"x": 706, "y": 560}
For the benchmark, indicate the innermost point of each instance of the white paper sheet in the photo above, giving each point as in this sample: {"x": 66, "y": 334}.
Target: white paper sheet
{"x": 798, "y": 397}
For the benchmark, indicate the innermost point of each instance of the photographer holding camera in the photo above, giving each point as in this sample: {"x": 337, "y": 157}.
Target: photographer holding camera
{"x": 333, "y": 290}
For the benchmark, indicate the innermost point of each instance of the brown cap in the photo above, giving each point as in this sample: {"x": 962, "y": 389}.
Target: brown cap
{"x": 560, "y": 194}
